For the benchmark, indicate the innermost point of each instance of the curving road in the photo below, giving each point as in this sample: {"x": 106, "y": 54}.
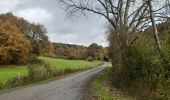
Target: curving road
{"x": 69, "y": 88}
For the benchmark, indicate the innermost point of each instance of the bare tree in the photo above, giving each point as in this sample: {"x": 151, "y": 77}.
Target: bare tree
{"x": 126, "y": 17}
{"x": 152, "y": 18}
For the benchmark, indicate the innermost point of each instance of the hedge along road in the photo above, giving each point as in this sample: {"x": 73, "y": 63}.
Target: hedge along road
{"x": 69, "y": 88}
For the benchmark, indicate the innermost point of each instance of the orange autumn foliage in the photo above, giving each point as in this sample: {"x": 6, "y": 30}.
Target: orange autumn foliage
{"x": 14, "y": 46}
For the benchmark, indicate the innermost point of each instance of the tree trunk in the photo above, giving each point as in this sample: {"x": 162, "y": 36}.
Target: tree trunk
{"x": 155, "y": 31}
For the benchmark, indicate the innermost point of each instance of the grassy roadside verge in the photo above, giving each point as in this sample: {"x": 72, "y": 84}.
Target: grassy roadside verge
{"x": 102, "y": 88}
{"x": 42, "y": 82}
{"x": 10, "y": 71}
{"x": 50, "y": 69}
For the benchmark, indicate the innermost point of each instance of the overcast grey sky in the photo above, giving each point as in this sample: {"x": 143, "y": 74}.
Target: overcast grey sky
{"x": 76, "y": 30}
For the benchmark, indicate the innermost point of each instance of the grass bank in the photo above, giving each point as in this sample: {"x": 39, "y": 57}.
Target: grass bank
{"x": 8, "y": 72}
{"x": 102, "y": 88}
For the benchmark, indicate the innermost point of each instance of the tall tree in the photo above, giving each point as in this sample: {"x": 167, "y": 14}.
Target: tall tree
{"x": 14, "y": 46}
{"x": 127, "y": 18}
{"x": 154, "y": 26}
{"x": 36, "y": 33}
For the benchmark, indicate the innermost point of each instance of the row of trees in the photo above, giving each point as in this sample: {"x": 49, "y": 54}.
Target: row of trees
{"x": 68, "y": 51}
{"x": 19, "y": 40}
{"x": 140, "y": 58}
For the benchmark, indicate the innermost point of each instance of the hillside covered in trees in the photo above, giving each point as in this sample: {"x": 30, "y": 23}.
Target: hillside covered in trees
{"x": 69, "y": 51}
{"x": 21, "y": 41}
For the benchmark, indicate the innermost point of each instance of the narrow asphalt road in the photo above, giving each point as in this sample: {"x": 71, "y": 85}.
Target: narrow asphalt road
{"x": 69, "y": 88}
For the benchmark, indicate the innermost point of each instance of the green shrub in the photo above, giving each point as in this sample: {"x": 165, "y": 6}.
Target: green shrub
{"x": 89, "y": 58}
{"x": 145, "y": 74}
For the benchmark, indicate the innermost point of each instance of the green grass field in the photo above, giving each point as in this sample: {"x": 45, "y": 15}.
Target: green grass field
{"x": 75, "y": 64}
{"x": 7, "y": 72}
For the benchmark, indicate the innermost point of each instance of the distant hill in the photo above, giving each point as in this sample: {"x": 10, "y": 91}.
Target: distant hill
{"x": 72, "y": 51}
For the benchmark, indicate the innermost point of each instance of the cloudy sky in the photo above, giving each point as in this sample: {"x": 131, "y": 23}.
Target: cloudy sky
{"x": 76, "y": 30}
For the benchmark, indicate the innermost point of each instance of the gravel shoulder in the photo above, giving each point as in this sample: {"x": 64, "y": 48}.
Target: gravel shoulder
{"x": 69, "y": 88}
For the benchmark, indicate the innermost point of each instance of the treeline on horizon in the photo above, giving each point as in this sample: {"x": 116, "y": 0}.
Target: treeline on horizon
{"x": 71, "y": 51}
{"x": 22, "y": 41}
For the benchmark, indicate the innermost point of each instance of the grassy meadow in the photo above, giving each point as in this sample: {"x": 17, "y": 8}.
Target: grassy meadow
{"x": 10, "y": 71}
{"x": 74, "y": 64}
{"x": 7, "y": 72}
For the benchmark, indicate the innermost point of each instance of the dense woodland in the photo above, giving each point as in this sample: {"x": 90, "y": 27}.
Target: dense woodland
{"x": 21, "y": 41}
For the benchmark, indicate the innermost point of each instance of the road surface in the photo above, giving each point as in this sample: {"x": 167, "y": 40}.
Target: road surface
{"x": 69, "y": 88}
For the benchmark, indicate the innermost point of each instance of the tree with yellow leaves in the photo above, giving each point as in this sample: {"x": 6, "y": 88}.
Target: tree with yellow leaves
{"x": 14, "y": 46}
